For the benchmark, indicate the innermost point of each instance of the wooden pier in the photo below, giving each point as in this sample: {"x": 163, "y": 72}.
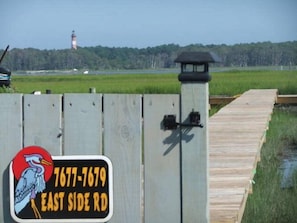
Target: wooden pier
{"x": 236, "y": 135}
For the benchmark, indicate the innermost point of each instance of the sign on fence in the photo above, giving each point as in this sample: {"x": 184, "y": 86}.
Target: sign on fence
{"x": 60, "y": 188}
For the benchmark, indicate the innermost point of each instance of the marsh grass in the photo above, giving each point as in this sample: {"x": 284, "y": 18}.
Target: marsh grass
{"x": 4, "y": 89}
{"x": 237, "y": 82}
{"x": 269, "y": 202}
{"x": 222, "y": 83}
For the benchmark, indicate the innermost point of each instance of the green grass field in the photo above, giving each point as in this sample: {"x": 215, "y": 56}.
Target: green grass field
{"x": 222, "y": 83}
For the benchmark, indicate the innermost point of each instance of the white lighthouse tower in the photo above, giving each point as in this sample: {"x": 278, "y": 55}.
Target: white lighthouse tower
{"x": 73, "y": 40}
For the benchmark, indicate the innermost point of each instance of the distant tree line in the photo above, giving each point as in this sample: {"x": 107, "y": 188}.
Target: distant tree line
{"x": 102, "y": 58}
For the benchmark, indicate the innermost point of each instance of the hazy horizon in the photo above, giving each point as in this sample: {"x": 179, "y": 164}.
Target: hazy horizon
{"x": 43, "y": 24}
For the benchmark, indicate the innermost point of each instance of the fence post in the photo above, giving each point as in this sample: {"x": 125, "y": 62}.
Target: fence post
{"x": 194, "y": 135}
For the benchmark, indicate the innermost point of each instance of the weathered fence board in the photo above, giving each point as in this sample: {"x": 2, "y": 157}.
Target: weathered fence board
{"x": 162, "y": 160}
{"x": 82, "y": 124}
{"x": 122, "y": 143}
{"x": 43, "y": 122}
{"x": 194, "y": 149}
{"x": 11, "y": 139}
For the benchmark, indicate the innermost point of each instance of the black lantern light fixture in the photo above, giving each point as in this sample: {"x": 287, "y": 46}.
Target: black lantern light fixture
{"x": 194, "y": 66}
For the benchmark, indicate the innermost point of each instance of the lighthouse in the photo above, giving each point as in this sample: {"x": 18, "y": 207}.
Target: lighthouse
{"x": 73, "y": 40}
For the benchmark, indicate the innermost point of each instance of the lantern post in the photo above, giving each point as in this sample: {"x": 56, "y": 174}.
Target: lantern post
{"x": 194, "y": 78}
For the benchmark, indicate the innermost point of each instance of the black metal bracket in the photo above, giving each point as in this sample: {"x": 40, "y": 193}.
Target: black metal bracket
{"x": 169, "y": 121}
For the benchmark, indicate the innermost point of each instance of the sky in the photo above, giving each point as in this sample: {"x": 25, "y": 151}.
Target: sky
{"x": 48, "y": 24}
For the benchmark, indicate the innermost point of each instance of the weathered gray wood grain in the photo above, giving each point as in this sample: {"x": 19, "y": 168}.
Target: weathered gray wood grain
{"x": 43, "y": 122}
{"x": 82, "y": 124}
{"x": 195, "y": 154}
{"x": 161, "y": 160}
{"x": 122, "y": 144}
{"x": 10, "y": 143}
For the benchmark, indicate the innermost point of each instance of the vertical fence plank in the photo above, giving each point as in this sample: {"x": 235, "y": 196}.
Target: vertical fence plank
{"x": 43, "y": 122}
{"x": 10, "y": 142}
{"x": 161, "y": 161}
{"x": 195, "y": 154}
{"x": 82, "y": 124}
{"x": 122, "y": 144}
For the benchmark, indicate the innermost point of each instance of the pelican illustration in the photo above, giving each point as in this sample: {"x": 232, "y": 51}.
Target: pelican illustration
{"x": 30, "y": 183}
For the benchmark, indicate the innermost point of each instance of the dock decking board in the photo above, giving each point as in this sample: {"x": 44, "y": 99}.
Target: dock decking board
{"x": 236, "y": 135}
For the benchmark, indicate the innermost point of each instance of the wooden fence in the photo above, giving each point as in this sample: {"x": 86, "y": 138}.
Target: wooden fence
{"x": 125, "y": 127}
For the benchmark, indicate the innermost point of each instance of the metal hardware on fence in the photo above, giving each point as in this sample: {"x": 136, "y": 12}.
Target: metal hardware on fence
{"x": 169, "y": 121}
